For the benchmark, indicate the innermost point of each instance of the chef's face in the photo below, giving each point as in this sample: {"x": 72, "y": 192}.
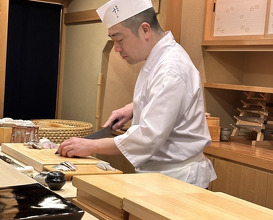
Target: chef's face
{"x": 130, "y": 47}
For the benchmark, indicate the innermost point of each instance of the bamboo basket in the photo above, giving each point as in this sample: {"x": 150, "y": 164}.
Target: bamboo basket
{"x": 57, "y": 130}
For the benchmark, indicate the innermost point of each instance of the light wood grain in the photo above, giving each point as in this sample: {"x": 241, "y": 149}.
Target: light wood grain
{"x": 81, "y": 17}
{"x": 89, "y": 209}
{"x": 124, "y": 185}
{"x": 83, "y": 170}
{"x": 155, "y": 196}
{"x": 4, "y": 7}
{"x": 243, "y": 152}
{"x": 269, "y": 195}
{"x": 39, "y": 158}
{"x": 102, "y": 206}
{"x": 12, "y": 177}
{"x": 239, "y": 87}
{"x": 194, "y": 206}
{"x": 240, "y": 181}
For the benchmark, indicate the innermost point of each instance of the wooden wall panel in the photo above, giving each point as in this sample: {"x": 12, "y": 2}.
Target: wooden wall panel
{"x": 4, "y": 7}
{"x": 269, "y": 197}
{"x": 240, "y": 181}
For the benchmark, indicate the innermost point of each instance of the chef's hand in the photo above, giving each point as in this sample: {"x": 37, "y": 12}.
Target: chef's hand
{"x": 81, "y": 147}
{"x": 76, "y": 147}
{"x": 123, "y": 115}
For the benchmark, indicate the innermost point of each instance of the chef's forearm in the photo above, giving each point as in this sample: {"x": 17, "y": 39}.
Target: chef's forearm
{"x": 106, "y": 146}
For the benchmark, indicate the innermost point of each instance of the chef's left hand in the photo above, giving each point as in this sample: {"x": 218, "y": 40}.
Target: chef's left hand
{"x": 76, "y": 147}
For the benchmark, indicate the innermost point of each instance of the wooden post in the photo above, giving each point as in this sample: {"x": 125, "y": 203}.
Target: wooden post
{"x": 4, "y": 9}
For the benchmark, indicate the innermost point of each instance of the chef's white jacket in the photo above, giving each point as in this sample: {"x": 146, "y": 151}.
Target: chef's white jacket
{"x": 169, "y": 129}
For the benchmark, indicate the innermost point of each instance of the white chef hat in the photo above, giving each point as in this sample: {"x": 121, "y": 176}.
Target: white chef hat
{"x": 116, "y": 11}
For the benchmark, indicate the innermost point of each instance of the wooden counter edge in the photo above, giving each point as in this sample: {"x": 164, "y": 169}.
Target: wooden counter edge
{"x": 251, "y": 160}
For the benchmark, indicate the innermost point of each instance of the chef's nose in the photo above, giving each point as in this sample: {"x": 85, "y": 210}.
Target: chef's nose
{"x": 117, "y": 47}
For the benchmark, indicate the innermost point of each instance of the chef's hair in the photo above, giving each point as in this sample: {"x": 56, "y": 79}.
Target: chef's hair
{"x": 148, "y": 16}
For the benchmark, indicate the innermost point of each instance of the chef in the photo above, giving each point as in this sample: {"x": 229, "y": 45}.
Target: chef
{"x": 169, "y": 130}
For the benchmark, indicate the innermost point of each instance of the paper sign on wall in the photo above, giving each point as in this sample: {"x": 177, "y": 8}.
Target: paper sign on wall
{"x": 237, "y": 17}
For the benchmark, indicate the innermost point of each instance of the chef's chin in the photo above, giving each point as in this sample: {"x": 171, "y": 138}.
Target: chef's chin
{"x": 130, "y": 61}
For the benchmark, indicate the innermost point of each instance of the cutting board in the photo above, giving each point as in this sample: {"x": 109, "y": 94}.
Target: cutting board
{"x": 39, "y": 158}
{"x": 12, "y": 177}
{"x": 83, "y": 170}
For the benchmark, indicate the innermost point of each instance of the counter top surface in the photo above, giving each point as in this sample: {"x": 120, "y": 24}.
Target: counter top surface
{"x": 155, "y": 196}
{"x": 194, "y": 206}
{"x": 243, "y": 152}
{"x": 14, "y": 177}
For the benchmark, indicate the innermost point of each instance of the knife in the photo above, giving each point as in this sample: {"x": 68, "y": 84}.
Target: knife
{"x": 102, "y": 133}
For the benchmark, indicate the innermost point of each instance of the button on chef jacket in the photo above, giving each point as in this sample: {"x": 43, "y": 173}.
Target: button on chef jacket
{"x": 169, "y": 129}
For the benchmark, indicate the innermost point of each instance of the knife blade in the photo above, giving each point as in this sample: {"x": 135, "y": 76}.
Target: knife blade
{"x": 102, "y": 133}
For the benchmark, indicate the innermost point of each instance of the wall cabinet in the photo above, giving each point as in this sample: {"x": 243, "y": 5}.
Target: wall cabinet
{"x": 238, "y": 42}
{"x": 239, "y": 23}
{"x": 240, "y": 181}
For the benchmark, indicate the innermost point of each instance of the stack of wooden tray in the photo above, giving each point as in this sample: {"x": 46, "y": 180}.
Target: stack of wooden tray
{"x": 214, "y": 127}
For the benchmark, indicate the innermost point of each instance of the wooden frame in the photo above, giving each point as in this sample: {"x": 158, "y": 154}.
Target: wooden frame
{"x": 173, "y": 18}
{"x": 4, "y": 8}
{"x": 242, "y": 41}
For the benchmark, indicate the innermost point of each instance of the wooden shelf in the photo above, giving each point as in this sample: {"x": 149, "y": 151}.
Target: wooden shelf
{"x": 239, "y": 87}
{"x": 238, "y": 48}
{"x": 242, "y": 152}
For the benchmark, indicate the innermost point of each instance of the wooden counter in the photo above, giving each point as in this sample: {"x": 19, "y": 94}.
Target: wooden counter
{"x": 40, "y": 160}
{"x": 243, "y": 152}
{"x": 243, "y": 170}
{"x": 193, "y": 206}
{"x": 156, "y": 196}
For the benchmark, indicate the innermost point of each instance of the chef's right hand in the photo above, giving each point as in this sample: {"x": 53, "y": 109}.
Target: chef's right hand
{"x": 123, "y": 115}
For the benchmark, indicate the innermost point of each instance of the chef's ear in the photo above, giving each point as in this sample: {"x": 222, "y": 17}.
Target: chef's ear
{"x": 145, "y": 29}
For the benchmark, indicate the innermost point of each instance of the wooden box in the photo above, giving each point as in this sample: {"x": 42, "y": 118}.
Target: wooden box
{"x": 213, "y": 121}
{"x": 5, "y": 134}
{"x": 214, "y": 128}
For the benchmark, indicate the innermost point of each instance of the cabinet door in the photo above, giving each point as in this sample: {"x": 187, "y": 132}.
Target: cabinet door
{"x": 249, "y": 22}
{"x": 269, "y": 197}
{"x": 212, "y": 161}
{"x": 240, "y": 181}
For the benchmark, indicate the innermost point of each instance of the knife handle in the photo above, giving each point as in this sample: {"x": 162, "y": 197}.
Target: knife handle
{"x": 114, "y": 122}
